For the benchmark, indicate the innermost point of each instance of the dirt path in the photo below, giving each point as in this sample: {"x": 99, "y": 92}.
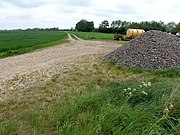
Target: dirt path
{"x": 76, "y": 37}
{"x": 32, "y": 67}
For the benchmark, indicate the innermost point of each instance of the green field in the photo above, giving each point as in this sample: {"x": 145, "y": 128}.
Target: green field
{"x": 18, "y": 42}
{"x": 94, "y": 36}
{"x": 95, "y": 98}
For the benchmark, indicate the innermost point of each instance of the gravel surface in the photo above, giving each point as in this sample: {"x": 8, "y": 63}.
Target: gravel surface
{"x": 151, "y": 50}
{"x": 34, "y": 69}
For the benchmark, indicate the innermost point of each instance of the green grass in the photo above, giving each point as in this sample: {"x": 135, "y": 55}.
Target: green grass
{"x": 19, "y": 42}
{"x": 113, "y": 111}
{"x": 99, "y": 99}
{"x": 94, "y": 35}
{"x": 97, "y": 36}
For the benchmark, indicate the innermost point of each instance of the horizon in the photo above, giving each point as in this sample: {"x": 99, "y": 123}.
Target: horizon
{"x": 70, "y": 27}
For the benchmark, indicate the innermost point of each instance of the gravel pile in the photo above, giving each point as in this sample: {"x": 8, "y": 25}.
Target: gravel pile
{"x": 151, "y": 50}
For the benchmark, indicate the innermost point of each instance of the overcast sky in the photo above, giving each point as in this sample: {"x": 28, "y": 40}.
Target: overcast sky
{"x": 16, "y": 14}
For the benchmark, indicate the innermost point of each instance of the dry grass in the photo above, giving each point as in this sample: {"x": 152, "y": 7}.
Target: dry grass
{"x": 32, "y": 90}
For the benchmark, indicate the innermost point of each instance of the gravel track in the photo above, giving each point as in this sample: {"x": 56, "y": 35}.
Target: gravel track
{"x": 32, "y": 69}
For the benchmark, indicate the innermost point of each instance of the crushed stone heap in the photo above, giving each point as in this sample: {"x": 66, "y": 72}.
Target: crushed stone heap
{"x": 150, "y": 50}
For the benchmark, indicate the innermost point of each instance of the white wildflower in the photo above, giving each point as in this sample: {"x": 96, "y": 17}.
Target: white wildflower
{"x": 170, "y": 106}
{"x": 140, "y": 86}
{"x": 125, "y": 90}
{"x": 149, "y": 83}
{"x": 134, "y": 90}
{"x": 145, "y": 84}
{"x": 145, "y": 93}
{"x": 130, "y": 93}
{"x": 166, "y": 111}
{"x": 129, "y": 88}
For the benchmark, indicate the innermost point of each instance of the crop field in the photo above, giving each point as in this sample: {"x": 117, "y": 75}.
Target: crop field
{"x": 98, "y": 98}
{"x": 94, "y": 35}
{"x": 18, "y": 42}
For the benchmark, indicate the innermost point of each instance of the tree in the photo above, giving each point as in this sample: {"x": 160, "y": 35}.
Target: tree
{"x": 177, "y": 29}
{"x": 170, "y": 27}
{"x": 85, "y": 26}
{"x": 90, "y": 26}
{"x": 115, "y": 26}
{"x": 119, "y": 26}
{"x": 104, "y": 24}
{"x": 104, "y": 27}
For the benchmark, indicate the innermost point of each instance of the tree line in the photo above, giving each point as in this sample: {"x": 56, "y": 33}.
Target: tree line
{"x": 40, "y": 29}
{"x": 119, "y": 26}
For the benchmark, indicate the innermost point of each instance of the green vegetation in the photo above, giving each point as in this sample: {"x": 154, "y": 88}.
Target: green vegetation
{"x": 94, "y": 35}
{"x": 119, "y": 26}
{"x": 18, "y": 42}
{"x": 95, "y": 98}
{"x": 177, "y": 29}
{"x": 85, "y": 26}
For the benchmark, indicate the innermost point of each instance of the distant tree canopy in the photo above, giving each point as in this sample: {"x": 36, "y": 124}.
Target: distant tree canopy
{"x": 177, "y": 29}
{"x": 85, "y": 26}
{"x": 45, "y": 29}
{"x": 122, "y": 26}
{"x": 104, "y": 27}
{"x": 119, "y": 26}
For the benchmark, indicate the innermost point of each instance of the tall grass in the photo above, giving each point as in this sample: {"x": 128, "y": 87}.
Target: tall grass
{"x": 114, "y": 111}
{"x": 18, "y": 42}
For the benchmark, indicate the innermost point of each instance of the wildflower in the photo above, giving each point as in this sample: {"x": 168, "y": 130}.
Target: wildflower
{"x": 125, "y": 90}
{"x": 170, "y": 106}
{"x": 134, "y": 90}
{"x": 145, "y": 93}
{"x": 149, "y": 83}
{"x": 129, "y": 88}
{"x": 140, "y": 86}
{"x": 166, "y": 111}
{"x": 145, "y": 84}
{"x": 130, "y": 93}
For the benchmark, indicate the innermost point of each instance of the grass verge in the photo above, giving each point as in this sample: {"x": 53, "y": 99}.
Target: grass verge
{"x": 93, "y": 97}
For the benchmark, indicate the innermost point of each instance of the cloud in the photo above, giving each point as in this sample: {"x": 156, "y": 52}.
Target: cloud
{"x": 79, "y": 3}
{"x": 66, "y": 13}
{"x": 24, "y": 3}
